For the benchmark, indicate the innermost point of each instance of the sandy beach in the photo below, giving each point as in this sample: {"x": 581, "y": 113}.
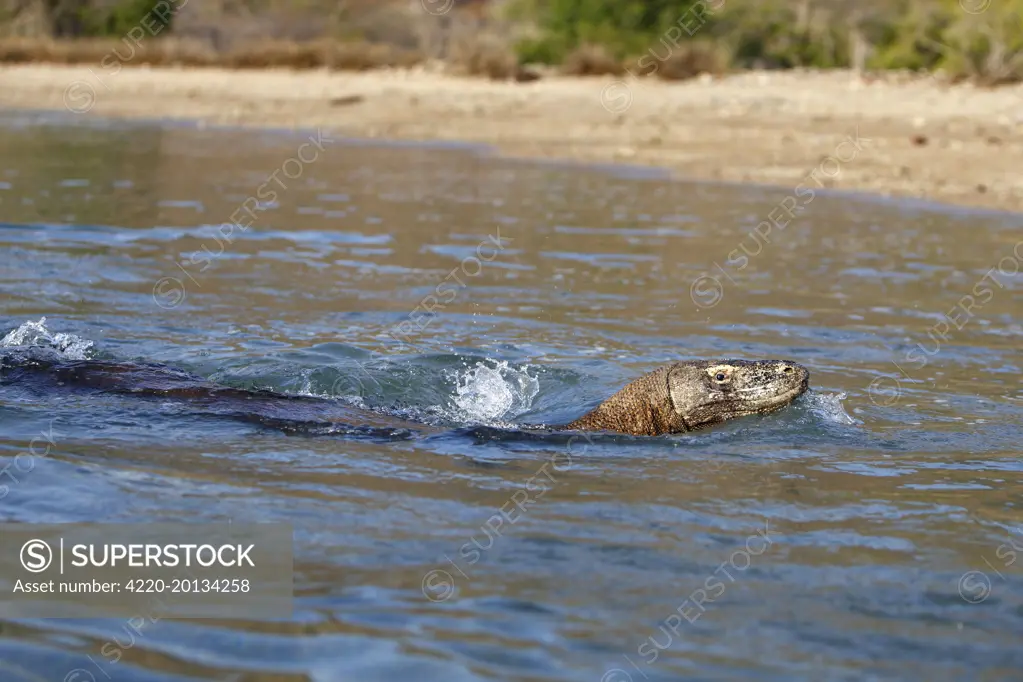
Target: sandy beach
{"x": 904, "y": 137}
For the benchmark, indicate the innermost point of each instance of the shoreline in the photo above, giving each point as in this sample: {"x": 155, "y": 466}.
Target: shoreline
{"x": 893, "y": 136}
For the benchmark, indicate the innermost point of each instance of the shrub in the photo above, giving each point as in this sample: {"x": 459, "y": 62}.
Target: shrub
{"x": 112, "y": 19}
{"x": 548, "y": 50}
{"x": 483, "y": 56}
{"x": 693, "y": 58}
{"x": 623, "y": 27}
{"x": 591, "y": 60}
{"x": 774, "y": 35}
{"x": 986, "y": 47}
{"x": 912, "y": 39}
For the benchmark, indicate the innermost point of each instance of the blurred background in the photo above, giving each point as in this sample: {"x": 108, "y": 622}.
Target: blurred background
{"x": 979, "y": 40}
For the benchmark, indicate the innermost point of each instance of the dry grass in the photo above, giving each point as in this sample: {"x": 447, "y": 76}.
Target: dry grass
{"x": 692, "y": 59}
{"x": 474, "y": 55}
{"x": 319, "y": 54}
{"x": 267, "y": 54}
{"x": 26, "y": 50}
{"x": 367, "y": 56}
{"x": 360, "y": 36}
{"x": 166, "y": 52}
{"x": 591, "y": 60}
{"x": 184, "y": 52}
{"x": 484, "y": 56}
{"x": 174, "y": 52}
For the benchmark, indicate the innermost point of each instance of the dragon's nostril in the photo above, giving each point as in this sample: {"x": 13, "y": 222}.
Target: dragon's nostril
{"x": 787, "y": 369}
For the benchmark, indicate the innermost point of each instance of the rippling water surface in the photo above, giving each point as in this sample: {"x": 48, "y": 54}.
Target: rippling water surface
{"x": 871, "y": 531}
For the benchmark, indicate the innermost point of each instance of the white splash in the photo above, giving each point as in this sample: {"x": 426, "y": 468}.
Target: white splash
{"x": 36, "y": 334}
{"x": 829, "y": 406}
{"x": 486, "y": 394}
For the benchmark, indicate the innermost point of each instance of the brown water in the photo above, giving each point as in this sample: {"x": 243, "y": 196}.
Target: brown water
{"x": 870, "y": 531}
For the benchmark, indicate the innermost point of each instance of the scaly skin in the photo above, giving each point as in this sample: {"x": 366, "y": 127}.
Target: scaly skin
{"x": 677, "y": 398}
{"x": 687, "y": 396}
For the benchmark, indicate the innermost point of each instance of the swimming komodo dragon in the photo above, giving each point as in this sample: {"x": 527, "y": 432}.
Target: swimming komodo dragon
{"x": 676, "y": 398}
{"x": 686, "y": 396}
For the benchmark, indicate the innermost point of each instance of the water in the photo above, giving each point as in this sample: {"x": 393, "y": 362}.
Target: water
{"x": 868, "y": 532}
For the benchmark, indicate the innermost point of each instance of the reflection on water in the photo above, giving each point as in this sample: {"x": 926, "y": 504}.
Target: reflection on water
{"x": 870, "y": 531}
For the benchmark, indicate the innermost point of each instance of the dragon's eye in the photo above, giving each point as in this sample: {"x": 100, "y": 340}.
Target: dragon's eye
{"x": 720, "y": 376}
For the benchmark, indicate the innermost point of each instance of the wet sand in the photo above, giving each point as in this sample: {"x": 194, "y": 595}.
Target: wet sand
{"x": 914, "y": 137}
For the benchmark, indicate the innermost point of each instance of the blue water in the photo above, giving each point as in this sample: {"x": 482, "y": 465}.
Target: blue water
{"x": 868, "y": 532}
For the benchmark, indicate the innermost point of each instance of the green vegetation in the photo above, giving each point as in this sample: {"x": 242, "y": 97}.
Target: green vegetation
{"x": 121, "y": 17}
{"x": 779, "y": 34}
{"x": 671, "y": 39}
{"x": 81, "y": 18}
